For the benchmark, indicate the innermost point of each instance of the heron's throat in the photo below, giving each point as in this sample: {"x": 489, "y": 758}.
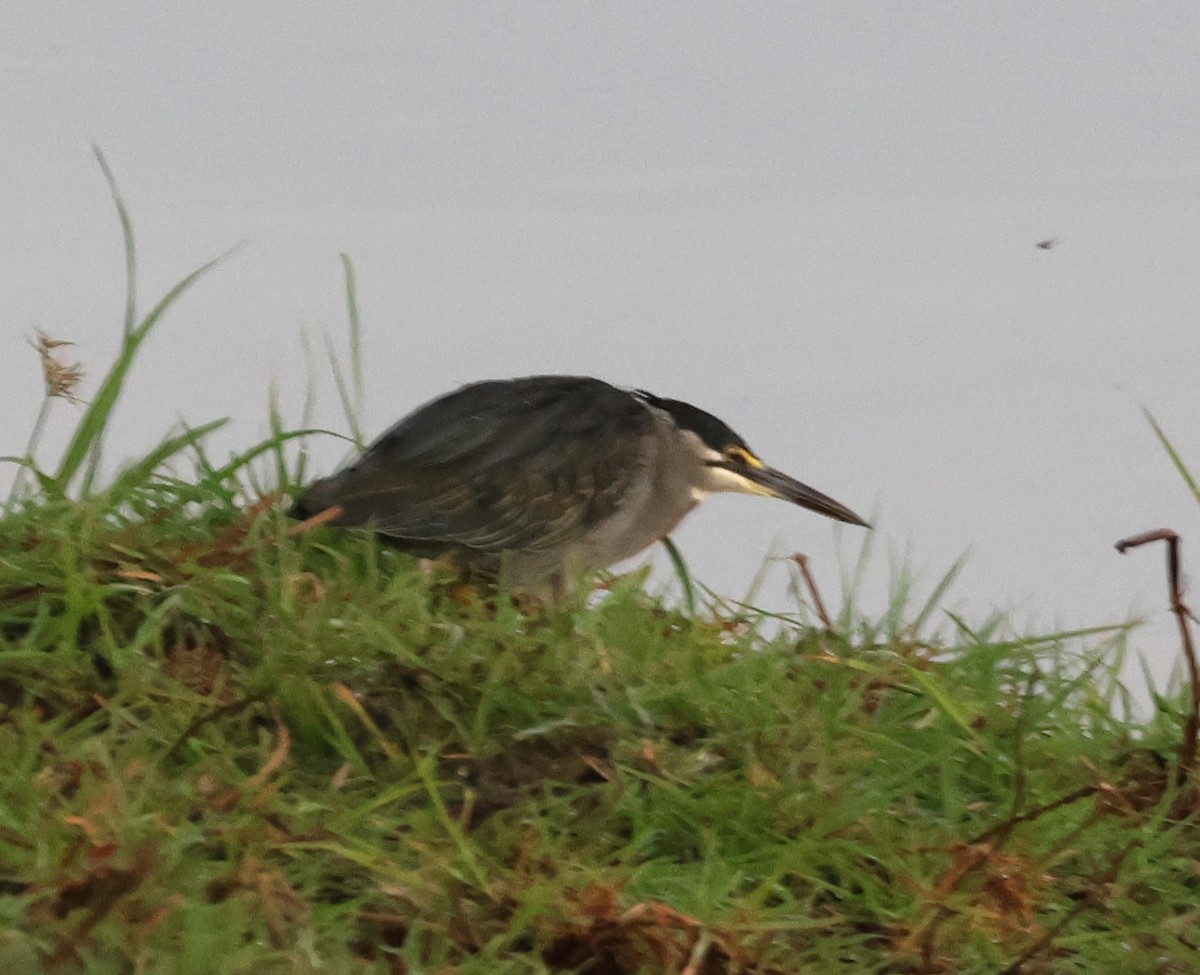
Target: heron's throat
{"x": 721, "y": 480}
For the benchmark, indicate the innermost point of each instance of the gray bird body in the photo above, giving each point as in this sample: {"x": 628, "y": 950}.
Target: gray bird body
{"x": 537, "y": 479}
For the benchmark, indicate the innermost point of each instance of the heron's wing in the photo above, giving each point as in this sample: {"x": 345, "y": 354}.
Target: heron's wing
{"x": 523, "y": 464}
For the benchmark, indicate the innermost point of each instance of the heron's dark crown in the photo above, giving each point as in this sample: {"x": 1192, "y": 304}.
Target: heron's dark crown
{"x": 713, "y": 432}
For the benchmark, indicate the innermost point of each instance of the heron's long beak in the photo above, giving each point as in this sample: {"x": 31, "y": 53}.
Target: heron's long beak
{"x": 776, "y": 484}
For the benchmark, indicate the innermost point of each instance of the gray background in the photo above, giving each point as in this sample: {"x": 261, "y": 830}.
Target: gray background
{"x": 815, "y": 220}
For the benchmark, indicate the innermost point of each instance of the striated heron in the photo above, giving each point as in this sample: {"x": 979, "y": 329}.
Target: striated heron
{"x": 535, "y": 480}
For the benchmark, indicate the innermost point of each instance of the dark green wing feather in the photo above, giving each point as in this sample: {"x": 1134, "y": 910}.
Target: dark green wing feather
{"x": 496, "y": 466}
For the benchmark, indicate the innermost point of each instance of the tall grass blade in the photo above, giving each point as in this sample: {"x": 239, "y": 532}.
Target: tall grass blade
{"x": 355, "y": 324}
{"x": 238, "y": 461}
{"x": 682, "y": 574}
{"x": 127, "y": 238}
{"x": 89, "y": 433}
{"x": 343, "y": 389}
{"x": 933, "y": 687}
{"x": 138, "y": 473}
{"x": 350, "y": 392}
{"x": 309, "y": 405}
{"x": 938, "y": 594}
{"x": 426, "y": 769}
{"x": 759, "y": 578}
{"x": 852, "y": 578}
{"x": 1174, "y": 455}
{"x": 26, "y": 464}
{"x": 85, "y": 444}
{"x": 275, "y": 419}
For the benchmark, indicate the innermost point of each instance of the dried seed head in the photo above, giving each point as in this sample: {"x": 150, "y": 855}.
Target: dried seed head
{"x": 62, "y": 377}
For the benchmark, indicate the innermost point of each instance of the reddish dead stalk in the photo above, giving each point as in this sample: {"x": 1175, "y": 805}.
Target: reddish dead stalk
{"x": 1187, "y": 751}
{"x": 320, "y": 518}
{"x": 1097, "y": 892}
{"x": 1001, "y": 831}
{"x": 802, "y": 560}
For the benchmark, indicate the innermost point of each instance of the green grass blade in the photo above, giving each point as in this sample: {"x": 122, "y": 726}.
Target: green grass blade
{"x": 426, "y": 769}
{"x": 350, "y": 393}
{"x": 90, "y": 430}
{"x": 682, "y": 574}
{"x": 355, "y": 325}
{"x": 238, "y": 461}
{"x": 938, "y": 594}
{"x": 343, "y": 390}
{"x": 933, "y": 687}
{"x": 127, "y": 237}
{"x": 27, "y": 463}
{"x": 275, "y": 419}
{"x": 1174, "y": 455}
{"x": 309, "y": 407}
{"x": 139, "y": 472}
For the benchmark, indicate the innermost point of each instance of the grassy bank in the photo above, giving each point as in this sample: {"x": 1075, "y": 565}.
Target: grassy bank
{"x": 232, "y": 746}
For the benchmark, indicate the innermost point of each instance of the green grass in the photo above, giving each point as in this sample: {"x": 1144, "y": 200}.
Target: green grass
{"x": 231, "y": 746}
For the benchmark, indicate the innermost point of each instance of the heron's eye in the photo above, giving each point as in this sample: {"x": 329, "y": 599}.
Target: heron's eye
{"x": 741, "y": 456}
